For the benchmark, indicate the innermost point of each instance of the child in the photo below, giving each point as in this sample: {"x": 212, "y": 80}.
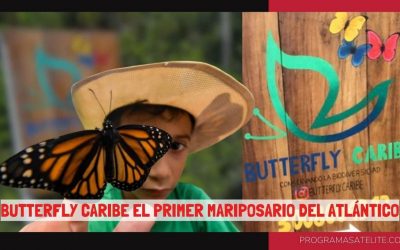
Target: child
{"x": 196, "y": 103}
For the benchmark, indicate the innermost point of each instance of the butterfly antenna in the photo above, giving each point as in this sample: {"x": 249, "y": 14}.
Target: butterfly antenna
{"x": 109, "y": 110}
{"x": 98, "y": 101}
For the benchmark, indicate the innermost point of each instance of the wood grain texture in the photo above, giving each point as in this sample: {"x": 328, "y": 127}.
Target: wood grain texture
{"x": 303, "y": 93}
{"x": 255, "y": 28}
{"x": 386, "y": 128}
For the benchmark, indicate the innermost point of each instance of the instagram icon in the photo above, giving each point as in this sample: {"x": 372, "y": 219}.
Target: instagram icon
{"x": 301, "y": 193}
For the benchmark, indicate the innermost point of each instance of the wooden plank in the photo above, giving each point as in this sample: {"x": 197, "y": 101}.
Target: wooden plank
{"x": 386, "y": 128}
{"x": 255, "y": 28}
{"x": 306, "y": 91}
{"x": 303, "y": 93}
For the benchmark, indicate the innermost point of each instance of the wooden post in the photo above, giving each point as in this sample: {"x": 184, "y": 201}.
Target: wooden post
{"x": 303, "y": 93}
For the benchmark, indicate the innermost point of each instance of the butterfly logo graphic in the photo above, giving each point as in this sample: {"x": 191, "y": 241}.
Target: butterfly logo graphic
{"x": 385, "y": 48}
{"x": 275, "y": 56}
{"x": 351, "y": 27}
{"x": 349, "y": 48}
{"x": 79, "y": 165}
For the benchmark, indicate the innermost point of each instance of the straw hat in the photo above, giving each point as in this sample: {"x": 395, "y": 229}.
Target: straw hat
{"x": 220, "y": 104}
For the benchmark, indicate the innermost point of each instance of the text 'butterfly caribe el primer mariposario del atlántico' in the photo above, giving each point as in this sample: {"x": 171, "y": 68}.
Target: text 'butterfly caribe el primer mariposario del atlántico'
{"x": 79, "y": 165}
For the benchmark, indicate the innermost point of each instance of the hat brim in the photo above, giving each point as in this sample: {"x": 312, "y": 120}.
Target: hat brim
{"x": 220, "y": 104}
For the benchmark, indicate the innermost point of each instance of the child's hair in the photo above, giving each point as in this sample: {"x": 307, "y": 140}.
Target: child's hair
{"x": 166, "y": 112}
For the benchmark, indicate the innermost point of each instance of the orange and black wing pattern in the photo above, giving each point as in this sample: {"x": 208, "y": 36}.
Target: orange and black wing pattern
{"x": 72, "y": 165}
{"x": 137, "y": 149}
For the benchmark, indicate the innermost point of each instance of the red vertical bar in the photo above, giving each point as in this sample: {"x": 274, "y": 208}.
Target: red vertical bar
{"x": 334, "y": 241}
{"x": 334, "y": 5}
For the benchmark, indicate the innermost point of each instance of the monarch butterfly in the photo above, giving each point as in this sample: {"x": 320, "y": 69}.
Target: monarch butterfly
{"x": 350, "y": 27}
{"x": 78, "y": 165}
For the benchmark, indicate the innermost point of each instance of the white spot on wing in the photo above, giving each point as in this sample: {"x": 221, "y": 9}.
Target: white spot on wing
{"x": 27, "y": 161}
{"x": 27, "y": 173}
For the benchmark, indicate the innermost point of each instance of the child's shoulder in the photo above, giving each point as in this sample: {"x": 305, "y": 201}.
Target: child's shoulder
{"x": 188, "y": 191}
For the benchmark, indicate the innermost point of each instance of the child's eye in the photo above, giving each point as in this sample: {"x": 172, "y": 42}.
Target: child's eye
{"x": 177, "y": 146}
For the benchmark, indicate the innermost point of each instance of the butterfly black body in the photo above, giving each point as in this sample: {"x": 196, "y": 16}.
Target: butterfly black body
{"x": 80, "y": 164}
{"x": 110, "y": 138}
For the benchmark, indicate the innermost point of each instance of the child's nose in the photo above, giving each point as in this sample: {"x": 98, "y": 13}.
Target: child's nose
{"x": 160, "y": 171}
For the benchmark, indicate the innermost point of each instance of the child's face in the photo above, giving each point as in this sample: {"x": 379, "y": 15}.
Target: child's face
{"x": 165, "y": 174}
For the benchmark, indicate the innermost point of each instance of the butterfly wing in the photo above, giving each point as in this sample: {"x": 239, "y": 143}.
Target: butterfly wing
{"x": 345, "y": 49}
{"x": 354, "y": 27}
{"x": 359, "y": 54}
{"x": 58, "y": 165}
{"x": 390, "y": 47}
{"x": 91, "y": 178}
{"x": 338, "y": 23}
{"x": 136, "y": 151}
{"x": 376, "y": 45}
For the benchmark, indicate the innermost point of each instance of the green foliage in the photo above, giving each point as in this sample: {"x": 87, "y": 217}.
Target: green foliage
{"x": 148, "y": 38}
